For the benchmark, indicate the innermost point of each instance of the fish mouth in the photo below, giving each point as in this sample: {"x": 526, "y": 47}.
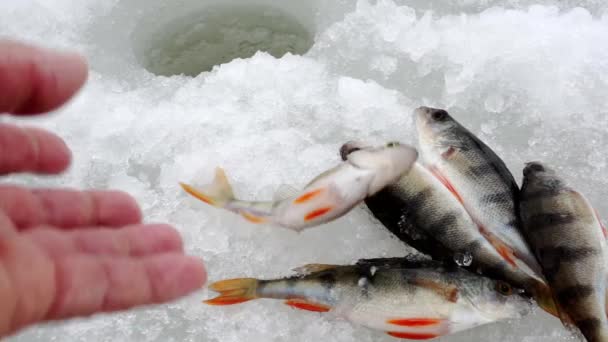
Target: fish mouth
{"x": 423, "y": 127}
{"x": 535, "y": 167}
{"x": 350, "y": 147}
{"x": 422, "y": 114}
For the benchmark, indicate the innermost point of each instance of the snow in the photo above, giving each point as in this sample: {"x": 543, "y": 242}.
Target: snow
{"x": 530, "y": 77}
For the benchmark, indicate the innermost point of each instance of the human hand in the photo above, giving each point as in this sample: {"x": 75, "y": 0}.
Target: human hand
{"x": 67, "y": 253}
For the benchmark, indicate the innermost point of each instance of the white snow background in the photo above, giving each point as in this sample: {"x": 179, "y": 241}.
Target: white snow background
{"x": 529, "y": 77}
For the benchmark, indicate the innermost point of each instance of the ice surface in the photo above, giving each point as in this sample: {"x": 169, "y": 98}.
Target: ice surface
{"x": 530, "y": 77}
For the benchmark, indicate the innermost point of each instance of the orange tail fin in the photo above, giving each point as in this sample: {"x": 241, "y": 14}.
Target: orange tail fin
{"x": 217, "y": 194}
{"x": 234, "y": 291}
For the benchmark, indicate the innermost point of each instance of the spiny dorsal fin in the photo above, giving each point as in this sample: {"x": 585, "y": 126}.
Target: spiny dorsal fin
{"x": 313, "y": 268}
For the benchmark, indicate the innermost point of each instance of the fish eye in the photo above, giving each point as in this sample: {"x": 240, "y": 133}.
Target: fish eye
{"x": 439, "y": 115}
{"x": 504, "y": 288}
{"x": 393, "y": 144}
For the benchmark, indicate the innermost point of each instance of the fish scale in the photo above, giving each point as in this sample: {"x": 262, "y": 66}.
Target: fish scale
{"x": 568, "y": 239}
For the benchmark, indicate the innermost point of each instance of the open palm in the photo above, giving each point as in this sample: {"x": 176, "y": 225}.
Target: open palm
{"x": 66, "y": 253}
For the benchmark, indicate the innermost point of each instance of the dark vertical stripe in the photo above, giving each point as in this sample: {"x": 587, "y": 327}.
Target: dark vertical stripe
{"x": 420, "y": 198}
{"x": 589, "y": 324}
{"x": 441, "y": 226}
{"x": 473, "y": 247}
{"x": 590, "y": 327}
{"x": 573, "y": 294}
{"x": 480, "y": 170}
{"x": 328, "y": 280}
{"x": 548, "y": 220}
{"x": 544, "y": 193}
{"x": 577, "y": 254}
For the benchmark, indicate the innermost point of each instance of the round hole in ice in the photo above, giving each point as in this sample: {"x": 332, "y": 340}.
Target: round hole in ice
{"x": 217, "y": 34}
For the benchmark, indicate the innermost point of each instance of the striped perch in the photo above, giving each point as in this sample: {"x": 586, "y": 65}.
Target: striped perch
{"x": 405, "y": 298}
{"x": 479, "y": 179}
{"x": 570, "y": 242}
{"x": 329, "y": 196}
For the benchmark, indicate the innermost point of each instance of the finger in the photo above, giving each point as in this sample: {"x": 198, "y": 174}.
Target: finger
{"x": 34, "y": 287}
{"x": 86, "y": 284}
{"x": 31, "y": 150}
{"x": 68, "y": 208}
{"x": 35, "y": 80}
{"x": 135, "y": 241}
{"x": 7, "y": 229}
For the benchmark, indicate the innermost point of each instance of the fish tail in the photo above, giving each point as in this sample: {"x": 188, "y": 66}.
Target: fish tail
{"x": 234, "y": 291}
{"x": 544, "y": 298}
{"x": 217, "y": 194}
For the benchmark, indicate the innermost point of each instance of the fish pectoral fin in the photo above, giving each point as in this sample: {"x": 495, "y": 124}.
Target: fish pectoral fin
{"x": 313, "y": 268}
{"x": 448, "y": 185}
{"x": 233, "y": 291}
{"x": 413, "y": 335}
{"x": 450, "y": 292}
{"x": 449, "y": 152}
{"x": 502, "y": 248}
{"x": 307, "y": 305}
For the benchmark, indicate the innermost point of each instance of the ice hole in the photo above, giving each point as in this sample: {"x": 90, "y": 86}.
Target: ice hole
{"x": 218, "y": 34}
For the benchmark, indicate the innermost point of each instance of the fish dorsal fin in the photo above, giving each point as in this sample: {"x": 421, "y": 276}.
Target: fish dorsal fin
{"x": 284, "y": 191}
{"x": 408, "y": 261}
{"x": 313, "y": 268}
{"x": 449, "y": 292}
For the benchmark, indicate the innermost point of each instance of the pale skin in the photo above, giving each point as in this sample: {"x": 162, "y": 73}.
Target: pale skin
{"x": 67, "y": 253}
